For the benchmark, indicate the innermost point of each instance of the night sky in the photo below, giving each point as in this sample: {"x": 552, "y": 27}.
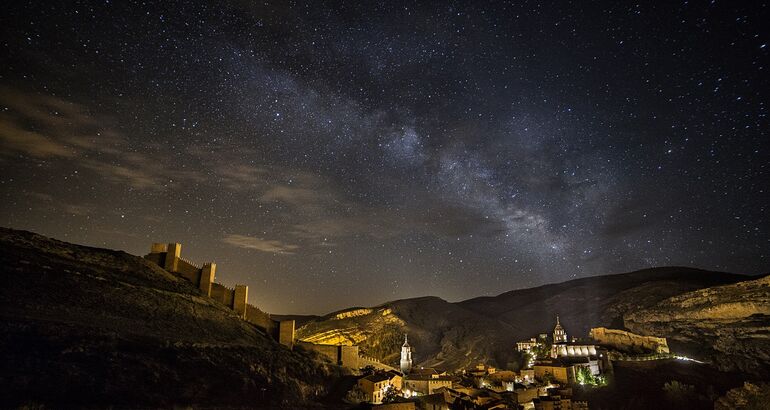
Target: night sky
{"x": 334, "y": 155}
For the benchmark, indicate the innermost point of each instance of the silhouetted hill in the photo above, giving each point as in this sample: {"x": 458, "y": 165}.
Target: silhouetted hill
{"x": 82, "y": 326}
{"x": 593, "y": 301}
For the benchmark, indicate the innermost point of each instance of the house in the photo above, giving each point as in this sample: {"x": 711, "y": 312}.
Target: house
{"x": 558, "y": 370}
{"x": 424, "y": 381}
{"x": 374, "y": 386}
{"x": 559, "y": 399}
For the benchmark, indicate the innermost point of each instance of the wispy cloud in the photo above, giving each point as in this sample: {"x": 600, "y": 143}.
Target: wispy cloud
{"x": 260, "y": 244}
{"x": 42, "y": 127}
{"x": 240, "y": 177}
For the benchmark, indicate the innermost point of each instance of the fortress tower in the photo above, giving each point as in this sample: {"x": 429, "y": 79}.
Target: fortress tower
{"x": 406, "y": 357}
{"x": 559, "y": 335}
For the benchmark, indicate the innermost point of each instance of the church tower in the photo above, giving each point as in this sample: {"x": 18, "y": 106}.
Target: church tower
{"x": 406, "y": 357}
{"x": 559, "y": 335}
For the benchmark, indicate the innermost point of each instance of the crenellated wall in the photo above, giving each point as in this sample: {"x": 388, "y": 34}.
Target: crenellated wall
{"x": 260, "y": 319}
{"x": 623, "y": 340}
{"x": 222, "y": 294}
{"x": 364, "y": 361}
{"x": 188, "y": 270}
{"x": 168, "y": 256}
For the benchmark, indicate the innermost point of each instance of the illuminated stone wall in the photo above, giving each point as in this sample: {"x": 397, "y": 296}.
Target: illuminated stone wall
{"x": 286, "y": 333}
{"x": 349, "y": 356}
{"x": 222, "y": 294}
{"x": 260, "y": 319}
{"x": 562, "y": 374}
{"x": 346, "y": 356}
{"x": 240, "y": 300}
{"x": 623, "y": 340}
{"x": 188, "y": 271}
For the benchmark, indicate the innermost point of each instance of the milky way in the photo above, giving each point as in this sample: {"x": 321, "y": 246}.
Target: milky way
{"x": 349, "y": 154}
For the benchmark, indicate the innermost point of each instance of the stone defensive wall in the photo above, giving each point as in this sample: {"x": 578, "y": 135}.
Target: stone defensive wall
{"x": 623, "y": 340}
{"x": 168, "y": 257}
{"x": 346, "y": 356}
{"x": 364, "y": 361}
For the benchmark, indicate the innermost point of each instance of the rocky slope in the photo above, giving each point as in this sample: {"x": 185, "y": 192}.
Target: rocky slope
{"x": 727, "y": 325}
{"x": 81, "y": 326}
{"x": 454, "y": 335}
{"x": 747, "y": 397}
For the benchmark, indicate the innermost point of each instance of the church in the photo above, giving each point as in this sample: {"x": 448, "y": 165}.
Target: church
{"x": 576, "y": 353}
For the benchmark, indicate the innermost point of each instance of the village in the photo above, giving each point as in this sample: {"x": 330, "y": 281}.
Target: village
{"x": 553, "y": 366}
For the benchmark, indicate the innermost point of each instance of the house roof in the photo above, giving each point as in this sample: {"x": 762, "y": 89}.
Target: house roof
{"x": 378, "y": 377}
{"x": 423, "y": 372}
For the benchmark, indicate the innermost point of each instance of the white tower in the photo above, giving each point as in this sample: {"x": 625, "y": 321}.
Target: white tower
{"x": 559, "y": 335}
{"x": 406, "y": 357}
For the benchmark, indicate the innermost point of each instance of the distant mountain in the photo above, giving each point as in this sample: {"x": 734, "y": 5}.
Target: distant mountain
{"x": 91, "y": 327}
{"x": 593, "y": 301}
{"x": 728, "y": 325}
{"x": 455, "y": 335}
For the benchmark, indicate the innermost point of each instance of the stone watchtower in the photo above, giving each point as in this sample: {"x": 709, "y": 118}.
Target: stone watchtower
{"x": 559, "y": 335}
{"x": 406, "y": 357}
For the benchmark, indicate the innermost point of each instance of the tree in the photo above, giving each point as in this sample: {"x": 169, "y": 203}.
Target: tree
{"x": 355, "y": 395}
{"x": 678, "y": 392}
{"x": 586, "y": 378}
{"x": 541, "y": 350}
{"x": 391, "y": 394}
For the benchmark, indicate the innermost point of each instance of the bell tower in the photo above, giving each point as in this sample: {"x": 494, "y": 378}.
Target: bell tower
{"x": 406, "y": 356}
{"x": 559, "y": 335}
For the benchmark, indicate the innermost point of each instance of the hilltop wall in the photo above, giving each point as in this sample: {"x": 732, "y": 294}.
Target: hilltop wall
{"x": 260, "y": 319}
{"x": 168, "y": 256}
{"x": 623, "y": 340}
{"x": 222, "y": 294}
{"x": 364, "y": 361}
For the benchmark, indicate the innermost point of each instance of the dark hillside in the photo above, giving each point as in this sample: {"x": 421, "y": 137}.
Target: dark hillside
{"x": 86, "y": 326}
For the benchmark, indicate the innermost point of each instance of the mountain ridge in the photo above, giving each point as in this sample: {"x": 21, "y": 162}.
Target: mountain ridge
{"x": 488, "y": 326}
